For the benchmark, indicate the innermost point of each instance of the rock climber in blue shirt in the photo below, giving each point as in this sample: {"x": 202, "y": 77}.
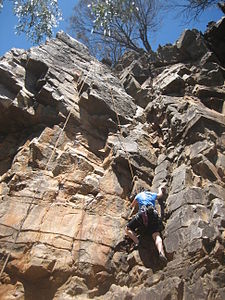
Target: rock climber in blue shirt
{"x": 147, "y": 218}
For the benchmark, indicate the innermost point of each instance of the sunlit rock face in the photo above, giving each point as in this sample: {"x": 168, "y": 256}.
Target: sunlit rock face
{"x": 73, "y": 133}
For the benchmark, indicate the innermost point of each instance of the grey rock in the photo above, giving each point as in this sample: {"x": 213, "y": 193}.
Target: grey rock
{"x": 168, "y": 288}
{"x": 216, "y": 191}
{"x": 218, "y": 209}
{"x": 215, "y": 37}
{"x": 210, "y": 75}
{"x": 169, "y": 82}
{"x": 181, "y": 179}
{"x": 192, "y": 44}
{"x": 200, "y": 147}
{"x": 202, "y": 91}
{"x": 206, "y": 169}
{"x": 170, "y": 54}
{"x": 190, "y": 195}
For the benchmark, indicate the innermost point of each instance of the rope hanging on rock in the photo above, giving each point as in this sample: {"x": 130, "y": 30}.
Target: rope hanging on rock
{"x": 120, "y": 136}
{"x": 38, "y": 186}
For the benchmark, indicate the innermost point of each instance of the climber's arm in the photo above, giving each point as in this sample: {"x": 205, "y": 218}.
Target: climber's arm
{"x": 161, "y": 192}
{"x": 133, "y": 206}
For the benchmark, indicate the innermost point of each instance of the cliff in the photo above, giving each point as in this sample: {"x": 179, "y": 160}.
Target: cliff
{"x": 73, "y": 133}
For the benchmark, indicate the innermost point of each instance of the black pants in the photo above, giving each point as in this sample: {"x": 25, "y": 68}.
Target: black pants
{"x": 154, "y": 222}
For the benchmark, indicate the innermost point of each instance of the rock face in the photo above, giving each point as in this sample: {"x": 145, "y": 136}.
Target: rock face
{"x": 73, "y": 133}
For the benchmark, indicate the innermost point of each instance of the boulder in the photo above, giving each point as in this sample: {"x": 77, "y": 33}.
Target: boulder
{"x": 169, "y": 82}
{"x": 170, "y": 54}
{"x": 202, "y": 91}
{"x": 215, "y": 37}
{"x": 192, "y": 44}
{"x": 210, "y": 75}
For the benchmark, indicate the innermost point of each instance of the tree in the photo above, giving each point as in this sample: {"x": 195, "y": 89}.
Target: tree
{"x": 192, "y": 9}
{"x": 36, "y": 18}
{"x": 115, "y": 24}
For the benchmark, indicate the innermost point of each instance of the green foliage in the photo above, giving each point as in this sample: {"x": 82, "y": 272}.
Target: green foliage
{"x": 105, "y": 13}
{"x": 36, "y": 18}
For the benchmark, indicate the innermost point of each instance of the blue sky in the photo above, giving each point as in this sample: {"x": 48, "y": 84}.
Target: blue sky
{"x": 171, "y": 26}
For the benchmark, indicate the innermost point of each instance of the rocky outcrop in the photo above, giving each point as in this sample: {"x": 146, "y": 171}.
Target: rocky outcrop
{"x": 74, "y": 133}
{"x": 215, "y": 37}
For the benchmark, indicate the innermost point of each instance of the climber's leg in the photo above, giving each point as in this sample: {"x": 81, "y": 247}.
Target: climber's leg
{"x": 159, "y": 245}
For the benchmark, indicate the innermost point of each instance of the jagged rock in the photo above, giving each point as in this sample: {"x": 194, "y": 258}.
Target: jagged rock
{"x": 186, "y": 196}
{"x": 202, "y": 91}
{"x": 169, "y": 81}
{"x": 74, "y": 286}
{"x": 181, "y": 179}
{"x": 131, "y": 86}
{"x": 133, "y": 78}
{"x": 161, "y": 173}
{"x": 72, "y": 137}
{"x": 220, "y": 163}
{"x": 206, "y": 169}
{"x": 209, "y": 57}
{"x": 126, "y": 60}
{"x": 215, "y": 37}
{"x": 118, "y": 292}
{"x": 170, "y": 54}
{"x": 218, "y": 213}
{"x": 210, "y": 75}
{"x": 169, "y": 288}
{"x": 139, "y": 69}
{"x": 215, "y": 191}
{"x": 192, "y": 44}
{"x": 190, "y": 228}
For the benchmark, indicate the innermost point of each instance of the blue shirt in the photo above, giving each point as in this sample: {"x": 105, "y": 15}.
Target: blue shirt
{"x": 146, "y": 198}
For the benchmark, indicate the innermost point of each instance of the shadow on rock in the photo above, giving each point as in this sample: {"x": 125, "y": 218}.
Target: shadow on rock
{"x": 149, "y": 254}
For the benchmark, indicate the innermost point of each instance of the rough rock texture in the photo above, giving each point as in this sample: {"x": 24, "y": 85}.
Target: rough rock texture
{"x": 68, "y": 126}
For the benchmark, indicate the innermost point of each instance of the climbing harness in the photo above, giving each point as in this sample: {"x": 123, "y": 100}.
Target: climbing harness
{"x": 144, "y": 217}
{"x": 147, "y": 211}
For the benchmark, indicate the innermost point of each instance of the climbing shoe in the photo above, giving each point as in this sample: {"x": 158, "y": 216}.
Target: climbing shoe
{"x": 162, "y": 258}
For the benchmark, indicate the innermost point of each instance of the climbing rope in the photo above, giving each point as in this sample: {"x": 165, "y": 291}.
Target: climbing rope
{"x": 120, "y": 136}
{"x": 39, "y": 184}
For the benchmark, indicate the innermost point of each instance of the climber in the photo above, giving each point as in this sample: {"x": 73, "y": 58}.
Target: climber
{"x": 147, "y": 218}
